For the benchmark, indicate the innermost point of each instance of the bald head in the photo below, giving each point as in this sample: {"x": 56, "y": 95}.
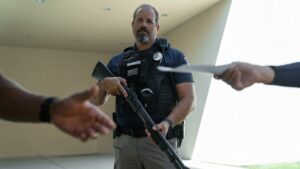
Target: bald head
{"x": 143, "y": 6}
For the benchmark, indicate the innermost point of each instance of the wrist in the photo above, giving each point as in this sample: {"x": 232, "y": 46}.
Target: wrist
{"x": 102, "y": 86}
{"x": 46, "y": 109}
{"x": 268, "y": 74}
{"x": 170, "y": 122}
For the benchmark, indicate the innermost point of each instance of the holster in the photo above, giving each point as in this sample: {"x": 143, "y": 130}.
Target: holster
{"x": 117, "y": 132}
{"x": 178, "y": 132}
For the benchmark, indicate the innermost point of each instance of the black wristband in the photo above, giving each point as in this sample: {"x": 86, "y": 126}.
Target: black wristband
{"x": 44, "y": 114}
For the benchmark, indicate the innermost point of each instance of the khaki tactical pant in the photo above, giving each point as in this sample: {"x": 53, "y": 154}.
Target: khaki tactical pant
{"x": 141, "y": 153}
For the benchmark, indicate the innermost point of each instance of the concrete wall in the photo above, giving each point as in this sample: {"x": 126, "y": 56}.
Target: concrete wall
{"x": 199, "y": 39}
{"x": 54, "y": 73}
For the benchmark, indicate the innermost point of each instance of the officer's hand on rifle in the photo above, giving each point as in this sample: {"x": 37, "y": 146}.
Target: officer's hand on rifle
{"x": 114, "y": 85}
{"x": 162, "y": 127}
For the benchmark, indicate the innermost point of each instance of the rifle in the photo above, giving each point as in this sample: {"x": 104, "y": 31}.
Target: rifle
{"x": 100, "y": 72}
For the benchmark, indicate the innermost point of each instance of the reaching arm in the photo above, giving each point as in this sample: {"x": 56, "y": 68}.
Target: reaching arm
{"x": 17, "y": 104}
{"x": 74, "y": 115}
{"x": 287, "y": 75}
{"x": 241, "y": 75}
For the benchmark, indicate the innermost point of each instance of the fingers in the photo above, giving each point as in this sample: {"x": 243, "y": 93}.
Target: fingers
{"x": 225, "y": 73}
{"x": 239, "y": 75}
{"x": 217, "y": 76}
{"x": 149, "y": 136}
{"x": 114, "y": 86}
{"x": 122, "y": 91}
{"x": 92, "y": 133}
{"x": 157, "y": 127}
{"x": 84, "y": 133}
{"x": 232, "y": 76}
{"x": 239, "y": 85}
{"x": 89, "y": 134}
{"x": 89, "y": 127}
{"x": 161, "y": 127}
{"x": 234, "y": 79}
{"x": 228, "y": 74}
{"x": 83, "y": 136}
{"x": 98, "y": 127}
{"x": 102, "y": 124}
{"x": 104, "y": 120}
{"x": 147, "y": 133}
{"x": 123, "y": 82}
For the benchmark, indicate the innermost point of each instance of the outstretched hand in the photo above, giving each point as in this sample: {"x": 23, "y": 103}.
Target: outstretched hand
{"x": 77, "y": 116}
{"x": 241, "y": 75}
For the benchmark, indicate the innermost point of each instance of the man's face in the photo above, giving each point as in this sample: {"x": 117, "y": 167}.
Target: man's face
{"x": 144, "y": 26}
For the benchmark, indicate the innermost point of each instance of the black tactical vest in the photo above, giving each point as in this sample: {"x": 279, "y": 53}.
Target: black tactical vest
{"x": 155, "y": 89}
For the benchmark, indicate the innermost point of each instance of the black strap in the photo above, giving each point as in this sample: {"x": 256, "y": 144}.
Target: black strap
{"x": 44, "y": 113}
{"x": 163, "y": 44}
{"x": 138, "y": 133}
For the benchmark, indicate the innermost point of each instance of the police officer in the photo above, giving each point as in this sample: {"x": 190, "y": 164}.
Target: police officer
{"x": 168, "y": 97}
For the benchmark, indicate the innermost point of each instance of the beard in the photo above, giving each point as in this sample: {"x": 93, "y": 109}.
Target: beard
{"x": 143, "y": 38}
{"x": 143, "y": 35}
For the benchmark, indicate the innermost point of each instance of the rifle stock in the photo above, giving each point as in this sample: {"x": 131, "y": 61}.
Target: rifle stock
{"x": 100, "y": 72}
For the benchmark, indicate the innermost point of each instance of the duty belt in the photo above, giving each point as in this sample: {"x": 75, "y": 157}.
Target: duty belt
{"x": 138, "y": 133}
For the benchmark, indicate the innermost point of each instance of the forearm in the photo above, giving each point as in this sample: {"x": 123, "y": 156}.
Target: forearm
{"x": 100, "y": 99}
{"x": 186, "y": 104}
{"x": 266, "y": 74}
{"x": 182, "y": 110}
{"x": 102, "y": 95}
{"x": 287, "y": 75}
{"x": 18, "y": 104}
